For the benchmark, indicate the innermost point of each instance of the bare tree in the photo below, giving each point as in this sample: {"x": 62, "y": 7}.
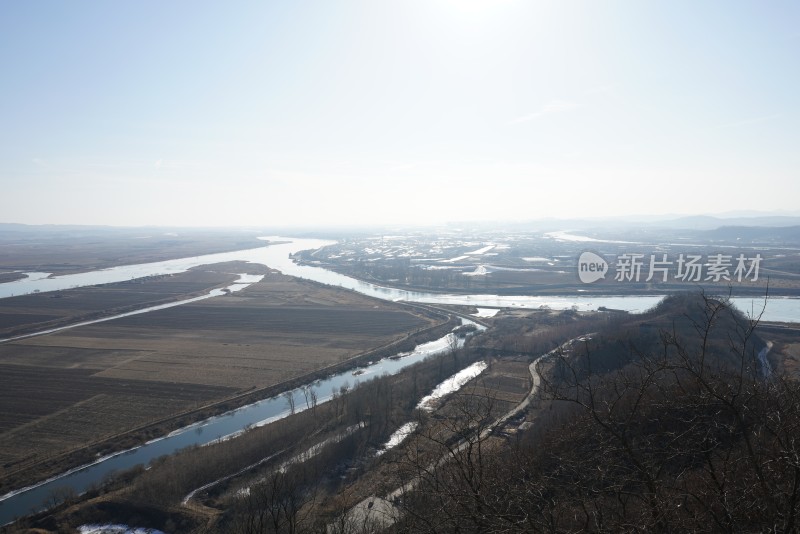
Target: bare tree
{"x": 289, "y": 396}
{"x": 445, "y": 472}
{"x": 312, "y": 393}
{"x": 671, "y": 429}
{"x": 683, "y": 433}
{"x": 277, "y": 504}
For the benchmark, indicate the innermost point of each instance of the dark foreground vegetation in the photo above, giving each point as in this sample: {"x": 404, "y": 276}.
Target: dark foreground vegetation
{"x": 668, "y": 424}
{"x": 670, "y": 421}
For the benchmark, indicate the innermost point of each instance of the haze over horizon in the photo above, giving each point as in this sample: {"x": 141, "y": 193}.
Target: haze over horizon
{"x": 423, "y": 111}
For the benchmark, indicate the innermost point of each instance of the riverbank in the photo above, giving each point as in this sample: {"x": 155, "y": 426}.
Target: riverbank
{"x": 229, "y": 324}
{"x": 38, "y": 312}
{"x": 389, "y": 328}
{"x": 604, "y": 288}
{"x": 79, "y": 250}
{"x": 225, "y": 466}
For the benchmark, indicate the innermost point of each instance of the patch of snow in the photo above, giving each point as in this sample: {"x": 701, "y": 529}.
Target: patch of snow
{"x": 116, "y": 529}
{"x": 440, "y": 267}
{"x": 451, "y": 385}
{"x": 766, "y": 368}
{"x": 480, "y": 270}
{"x": 480, "y": 251}
{"x": 316, "y": 449}
{"x": 398, "y": 437}
{"x": 486, "y": 312}
{"x": 454, "y": 260}
{"x": 204, "y": 487}
{"x": 564, "y": 235}
{"x": 518, "y": 269}
{"x": 300, "y": 458}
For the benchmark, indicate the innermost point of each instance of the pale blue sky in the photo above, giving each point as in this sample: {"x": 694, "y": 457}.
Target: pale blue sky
{"x": 267, "y": 112}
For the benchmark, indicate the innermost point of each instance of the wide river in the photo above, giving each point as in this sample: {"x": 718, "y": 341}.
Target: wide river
{"x": 277, "y": 256}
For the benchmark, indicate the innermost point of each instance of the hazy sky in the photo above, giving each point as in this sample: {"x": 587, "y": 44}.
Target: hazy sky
{"x": 285, "y": 112}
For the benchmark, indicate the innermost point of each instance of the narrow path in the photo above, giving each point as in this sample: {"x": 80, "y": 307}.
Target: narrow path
{"x": 380, "y": 512}
{"x": 187, "y": 500}
{"x": 236, "y": 286}
{"x": 766, "y": 368}
{"x": 519, "y": 408}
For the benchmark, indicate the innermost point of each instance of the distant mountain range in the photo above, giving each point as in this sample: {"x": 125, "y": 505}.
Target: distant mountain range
{"x": 707, "y": 223}
{"x": 786, "y": 234}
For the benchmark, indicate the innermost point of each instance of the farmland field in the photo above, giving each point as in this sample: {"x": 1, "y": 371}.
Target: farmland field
{"x": 65, "y": 391}
{"x": 71, "y": 250}
{"x": 39, "y": 311}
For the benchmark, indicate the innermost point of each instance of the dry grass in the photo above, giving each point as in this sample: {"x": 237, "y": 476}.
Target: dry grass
{"x": 507, "y": 380}
{"x": 789, "y": 359}
{"x": 503, "y": 385}
{"x": 62, "y": 391}
{"x": 89, "y": 420}
{"x": 40, "y": 311}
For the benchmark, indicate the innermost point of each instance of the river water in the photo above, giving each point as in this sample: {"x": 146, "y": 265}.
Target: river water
{"x": 277, "y": 256}
{"x": 245, "y": 280}
{"x": 223, "y": 426}
{"x": 42, "y": 282}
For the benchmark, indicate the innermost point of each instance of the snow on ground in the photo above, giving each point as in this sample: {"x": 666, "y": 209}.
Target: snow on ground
{"x": 480, "y": 251}
{"x": 204, "y": 487}
{"x": 516, "y": 269}
{"x": 300, "y": 458}
{"x": 486, "y": 312}
{"x": 116, "y": 529}
{"x": 766, "y": 368}
{"x": 452, "y": 384}
{"x": 316, "y": 449}
{"x": 440, "y": 267}
{"x": 480, "y": 270}
{"x": 454, "y": 260}
{"x": 564, "y": 235}
{"x": 398, "y": 437}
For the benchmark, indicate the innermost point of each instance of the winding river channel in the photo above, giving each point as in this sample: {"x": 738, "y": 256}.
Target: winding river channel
{"x": 277, "y": 256}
